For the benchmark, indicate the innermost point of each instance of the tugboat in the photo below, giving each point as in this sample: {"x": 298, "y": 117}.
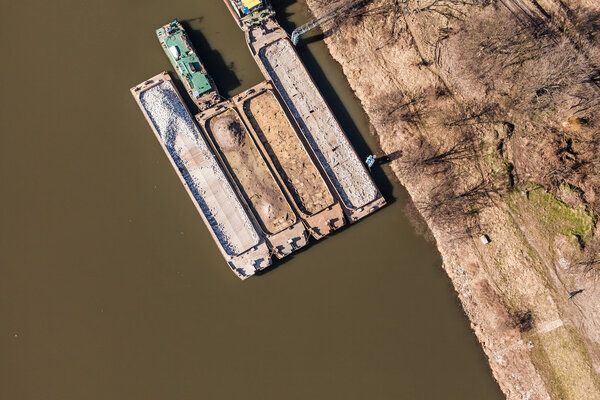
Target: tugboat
{"x": 250, "y": 12}
{"x": 187, "y": 64}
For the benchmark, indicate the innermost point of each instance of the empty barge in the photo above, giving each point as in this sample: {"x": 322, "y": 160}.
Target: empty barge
{"x": 215, "y": 198}
{"x": 285, "y": 151}
{"x": 280, "y": 63}
{"x": 187, "y": 64}
{"x": 257, "y": 185}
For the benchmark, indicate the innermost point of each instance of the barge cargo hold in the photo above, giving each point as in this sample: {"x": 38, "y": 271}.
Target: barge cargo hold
{"x": 278, "y": 138}
{"x": 238, "y": 239}
{"x": 187, "y": 64}
{"x": 280, "y": 63}
{"x": 238, "y": 152}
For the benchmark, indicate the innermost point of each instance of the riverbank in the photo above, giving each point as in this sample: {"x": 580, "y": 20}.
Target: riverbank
{"x": 495, "y": 137}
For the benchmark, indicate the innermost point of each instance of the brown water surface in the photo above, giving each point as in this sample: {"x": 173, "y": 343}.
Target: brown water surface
{"x": 110, "y": 284}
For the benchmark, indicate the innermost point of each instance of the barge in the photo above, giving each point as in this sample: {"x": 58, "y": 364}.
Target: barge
{"x": 249, "y": 13}
{"x": 279, "y": 63}
{"x": 280, "y": 141}
{"x": 238, "y": 238}
{"x": 257, "y": 185}
{"x": 187, "y": 64}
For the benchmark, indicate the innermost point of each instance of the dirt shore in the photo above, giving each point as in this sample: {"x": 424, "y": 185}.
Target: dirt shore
{"x": 496, "y": 124}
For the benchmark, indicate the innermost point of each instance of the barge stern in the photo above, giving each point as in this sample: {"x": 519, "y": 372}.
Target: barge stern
{"x": 248, "y": 13}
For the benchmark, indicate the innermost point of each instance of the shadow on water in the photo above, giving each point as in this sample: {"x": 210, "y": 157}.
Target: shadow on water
{"x": 305, "y": 41}
{"x": 222, "y": 73}
{"x": 283, "y": 16}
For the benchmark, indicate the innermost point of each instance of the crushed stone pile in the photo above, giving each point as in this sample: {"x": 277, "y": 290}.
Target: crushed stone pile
{"x": 204, "y": 177}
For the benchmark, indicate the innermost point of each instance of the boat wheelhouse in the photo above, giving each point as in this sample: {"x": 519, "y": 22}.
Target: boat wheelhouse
{"x": 187, "y": 64}
{"x": 250, "y": 12}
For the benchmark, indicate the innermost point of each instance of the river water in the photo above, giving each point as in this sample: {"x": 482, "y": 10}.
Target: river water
{"x": 111, "y": 286}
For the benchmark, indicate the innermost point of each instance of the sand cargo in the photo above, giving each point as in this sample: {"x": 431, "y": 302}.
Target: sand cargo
{"x": 238, "y": 239}
{"x": 288, "y": 155}
{"x": 279, "y": 62}
{"x": 256, "y": 182}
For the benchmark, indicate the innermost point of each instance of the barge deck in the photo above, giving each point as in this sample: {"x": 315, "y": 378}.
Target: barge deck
{"x": 258, "y": 187}
{"x": 279, "y": 140}
{"x": 280, "y": 63}
{"x": 238, "y": 239}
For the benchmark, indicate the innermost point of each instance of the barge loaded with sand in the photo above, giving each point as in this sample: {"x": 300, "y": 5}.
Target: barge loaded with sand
{"x": 287, "y": 154}
{"x": 216, "y": 200}
{"x": 187, "y": 64}
{"x": 279, "y": 62}
{"x": 254, "y": 179}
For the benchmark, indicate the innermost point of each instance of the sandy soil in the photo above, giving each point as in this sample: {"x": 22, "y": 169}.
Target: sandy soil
{"x": 288, "y": 153}
{"x": 251, "y": 172}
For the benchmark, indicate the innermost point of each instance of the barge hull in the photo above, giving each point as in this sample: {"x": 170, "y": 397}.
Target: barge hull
{"x": 240, "y": 242}
{"x": 280, "y": 63}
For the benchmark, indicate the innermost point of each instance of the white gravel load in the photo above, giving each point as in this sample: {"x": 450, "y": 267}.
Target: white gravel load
{"x": 318, "y": 125}
{"x": 199, "y": 168}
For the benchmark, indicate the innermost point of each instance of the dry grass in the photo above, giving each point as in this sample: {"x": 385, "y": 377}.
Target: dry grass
{"x": 565, "y": 365}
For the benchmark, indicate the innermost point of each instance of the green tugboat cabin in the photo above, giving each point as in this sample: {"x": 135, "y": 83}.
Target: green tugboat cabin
{"x": 187, "y": 64}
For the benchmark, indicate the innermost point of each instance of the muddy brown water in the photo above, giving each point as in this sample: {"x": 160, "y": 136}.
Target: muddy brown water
{"x": 110, "y": 284}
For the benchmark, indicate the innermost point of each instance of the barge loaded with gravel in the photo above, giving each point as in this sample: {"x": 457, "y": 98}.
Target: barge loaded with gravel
{"x": 215, "y": 198}
{"x": 255, "y": 181}
{"x": 187, "y": 64}
{"x": 280, "y": 63}
{"x": 280, "y": 141}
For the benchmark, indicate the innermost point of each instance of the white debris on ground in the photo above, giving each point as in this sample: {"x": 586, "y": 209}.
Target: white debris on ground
{"x": 199, "y": 168}
{"x": 318, "y": 125}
